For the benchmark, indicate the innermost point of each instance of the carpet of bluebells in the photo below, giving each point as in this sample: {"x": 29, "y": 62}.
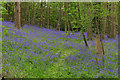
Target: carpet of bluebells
{"x": 34, "y": 52}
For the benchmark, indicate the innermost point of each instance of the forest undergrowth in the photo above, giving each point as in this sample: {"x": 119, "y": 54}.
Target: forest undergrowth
{"x": 34, "y": 52}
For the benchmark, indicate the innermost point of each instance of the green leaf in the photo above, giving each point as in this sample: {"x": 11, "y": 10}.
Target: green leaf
{"x": 69, "y": 13}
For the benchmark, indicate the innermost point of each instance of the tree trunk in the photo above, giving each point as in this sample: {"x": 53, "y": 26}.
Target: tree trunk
{"x": 84, "y": 39}
{"x": 23, "y": 14}
{"x": 29, "y": 15}
{"x": 82, "y": 27}
{"x": 66, "y": 17}
{"x": 113, "y": 17}
{"x": 59, "y": 19}
{"x": 119, "y": 18}
{"x": 89, "y": 30}
{"x": 104, "y": 21}
{"x": 33, "y": 16}
{"x": 65, "y": 27}
{"x": 68, "y": 26}
{"x": 98, "y": 44}
{"x": 15, "y": 13}
{"x": 26, "y": 13}
{"x": 109, "y": 23}
{"x": 98, "y": 39}
{"x": 41, "y": 18}
{"x": 44, "y": 15}
{"x": 48, "y": 6}
{"x": 18, "y": 21}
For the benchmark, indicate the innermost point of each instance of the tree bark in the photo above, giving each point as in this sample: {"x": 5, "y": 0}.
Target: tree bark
{"x": 48, "y": 6}
{"x": 98, "y": 41}
{"x": 18, "y": 21}
{"x": 65, "y": 17}
{"x": 15, "y": 13}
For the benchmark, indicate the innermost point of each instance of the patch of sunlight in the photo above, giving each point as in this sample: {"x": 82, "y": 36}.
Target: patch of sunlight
{"x": 116, "y": 53}
{"x": 67, "y": 53}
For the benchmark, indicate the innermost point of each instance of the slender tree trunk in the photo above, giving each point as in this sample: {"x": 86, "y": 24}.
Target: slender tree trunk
{"x": 66, "y": 17}
{"x": 89, "y": 30}
{"x": 84, "y": 39}
{"x": 15, "y": 13}
{"x": 109, "y": 23}
{"x": 12, "y": 19}
{"x": 65, "y": 27}
{"x": 54, "y": 25}
{"x": 33, "y": 16}
{"x": 68, "y": 26}
{"x": 26, "y": 13}
{"x": 44, "y": 14}
{"x": 113, "y": 17}
{"x": 23, "y": 14}
{"x": 41, "y": 18}
{"x": 82, "y": 27}
{"x": 59, "y": 19}
{"x": 48, "y": 6}
{"x": 29, "y": 15}
{"x": 119, "y": 18}
{"x": 22, "y": 22}
{"x": 18, "y": 16}
{"x": 98, "y": 39}
{"x": 104, "y": 21}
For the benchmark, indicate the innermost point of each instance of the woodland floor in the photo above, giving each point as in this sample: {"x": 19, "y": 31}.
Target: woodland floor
{"x": 35, "y": 52}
